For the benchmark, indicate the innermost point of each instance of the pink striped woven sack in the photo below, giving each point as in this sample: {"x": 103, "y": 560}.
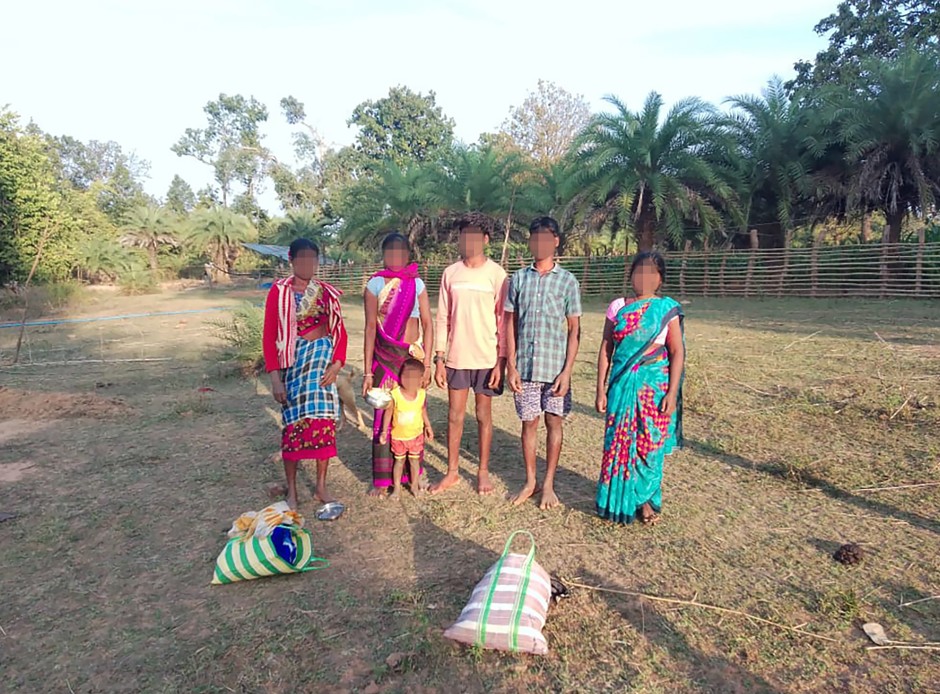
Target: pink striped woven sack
{"x": 507, "y": 607}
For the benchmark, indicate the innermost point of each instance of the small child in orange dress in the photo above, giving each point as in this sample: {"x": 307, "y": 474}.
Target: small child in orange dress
{"x": 410, "y": 426}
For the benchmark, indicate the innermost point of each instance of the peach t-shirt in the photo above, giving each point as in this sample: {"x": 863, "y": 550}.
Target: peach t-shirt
{"x": 470, "y": 315}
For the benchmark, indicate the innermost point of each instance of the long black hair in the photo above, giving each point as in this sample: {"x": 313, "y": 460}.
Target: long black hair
{"x": 655, "y": 258}
{"x": 298, "y": 245}
{"x": 395, "y": 237}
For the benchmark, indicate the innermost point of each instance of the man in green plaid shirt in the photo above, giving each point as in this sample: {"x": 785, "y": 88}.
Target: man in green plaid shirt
{"x": 543, "y": 331}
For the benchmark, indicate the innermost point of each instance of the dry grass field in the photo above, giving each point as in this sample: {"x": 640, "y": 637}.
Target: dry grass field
{"x": 127, "y": 447}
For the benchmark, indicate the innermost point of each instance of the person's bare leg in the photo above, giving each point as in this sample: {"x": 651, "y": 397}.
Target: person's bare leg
{"x": 378, "y": 491}
{"x": 530, "y": 432}
{"x": 484, "y": 408}
{"x": 556, "y": 431}
{"x": 457, "y": 402}
{"x": 290, "y": 475}
{"x": 414, "y": 470}
{"x": 322, "y": 494}
{"x": 397, "y": 469}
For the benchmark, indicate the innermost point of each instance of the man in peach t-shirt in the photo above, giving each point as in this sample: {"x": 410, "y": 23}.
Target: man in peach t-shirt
{"x": 469, "y": 333}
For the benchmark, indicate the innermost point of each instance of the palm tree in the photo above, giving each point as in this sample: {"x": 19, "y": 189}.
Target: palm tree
{"x": 652, "y": 174}
{"x": 148, "y": 227}
{"x": 890, "y": 129}
{"x": 302, "y": 224}
{"x": 103, "y": 259}
{"x": 219, "y": 233}
{"x": 768, "y": 158}
{"x": 397, "y": 197}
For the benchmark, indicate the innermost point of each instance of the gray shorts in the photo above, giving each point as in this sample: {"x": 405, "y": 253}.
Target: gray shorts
{"x": 537, "y": 399}
{"x": 478, "y": 379}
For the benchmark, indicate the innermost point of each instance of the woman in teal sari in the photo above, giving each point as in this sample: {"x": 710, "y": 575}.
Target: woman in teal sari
{"x": 643, "y": 356}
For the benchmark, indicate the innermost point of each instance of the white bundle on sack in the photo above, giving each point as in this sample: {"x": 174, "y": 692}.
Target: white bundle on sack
{"x": 507, "y": 607}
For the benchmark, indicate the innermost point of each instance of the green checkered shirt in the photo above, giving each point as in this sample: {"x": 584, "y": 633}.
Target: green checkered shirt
{"x": 542, "y": 305}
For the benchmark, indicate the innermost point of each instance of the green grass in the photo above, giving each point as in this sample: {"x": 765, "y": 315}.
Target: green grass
{"x": 793, "y": 406}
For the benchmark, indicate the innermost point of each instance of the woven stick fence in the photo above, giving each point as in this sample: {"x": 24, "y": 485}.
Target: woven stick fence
{"x": 870, "y": 271}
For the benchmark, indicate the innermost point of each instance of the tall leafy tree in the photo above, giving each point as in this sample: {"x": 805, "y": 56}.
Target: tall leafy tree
{"x": 180, "y": 198}
{"x": 402, "y": 127}
{"x": 860, "y": 30}
{"x": 231, "y": 143}
{"x": 547, "y": 121}
{"x": 149, "y": 228}
{"x": 652, "y": 174}
{"x": 103, "y": 259}
{"x": 218, "y": 232}
{"x": 889, "y": 127}
{"x": 31, "y": 205}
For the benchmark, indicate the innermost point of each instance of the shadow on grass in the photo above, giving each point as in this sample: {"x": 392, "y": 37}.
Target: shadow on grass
{"x": 708, "y": 672}
{"x": 818, "y": 483}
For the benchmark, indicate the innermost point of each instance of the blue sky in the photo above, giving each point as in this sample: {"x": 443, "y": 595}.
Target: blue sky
{"x": 139, "y": 72}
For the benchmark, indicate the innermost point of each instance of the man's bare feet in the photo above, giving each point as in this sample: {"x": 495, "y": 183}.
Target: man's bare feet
{"x": 377, "y": 492}
{"x": 549, "y": 499}
{"x": 483, "y": 483}
{"x": 450, "y": 479}
{"x": 524, "y": 495}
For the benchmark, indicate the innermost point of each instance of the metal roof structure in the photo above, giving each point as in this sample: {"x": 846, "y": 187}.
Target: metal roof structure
{"x": 280, "y": 252}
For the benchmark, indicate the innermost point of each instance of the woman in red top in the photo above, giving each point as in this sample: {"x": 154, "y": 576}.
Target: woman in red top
{"x": 304, "y": 349}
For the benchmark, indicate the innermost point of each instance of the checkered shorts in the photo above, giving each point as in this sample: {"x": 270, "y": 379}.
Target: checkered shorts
{"x": 536, "y": 399}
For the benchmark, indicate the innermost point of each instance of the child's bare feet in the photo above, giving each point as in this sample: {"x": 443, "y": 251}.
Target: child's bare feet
{"x": 524, "y": 494}
{"x": 377, "y": 491}
{"x": 549, "y": 499}
{"x": 395, "y": 495}
{"x": 450, "y": 479}
{"x": 483, "y": 483}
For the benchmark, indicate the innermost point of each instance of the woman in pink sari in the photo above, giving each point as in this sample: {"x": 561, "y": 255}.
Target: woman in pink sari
{"x": 398, "y": 325}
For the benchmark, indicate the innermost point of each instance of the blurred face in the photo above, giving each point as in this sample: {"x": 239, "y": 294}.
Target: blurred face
{"x": 411, "y": 379}
{"x": 471, "y": 242}
{"x": 542, "y": 244}
{"x": 396, "y": 256}
{"x": 646, "y": 279}
{"x": 305, "y": 264}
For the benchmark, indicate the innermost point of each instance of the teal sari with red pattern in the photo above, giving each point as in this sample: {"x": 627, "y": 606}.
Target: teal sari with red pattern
{"x": 638, "y": 435}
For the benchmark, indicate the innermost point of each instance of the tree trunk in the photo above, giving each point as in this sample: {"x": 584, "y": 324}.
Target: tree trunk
{"x": 512, "y": 201}
{"x": 645, "y": 233}
{"x": 684, "y": 266}
{"x": 152, "y": 251}
{"x": 893, "y": 231}
{"x": 865, "y": 233}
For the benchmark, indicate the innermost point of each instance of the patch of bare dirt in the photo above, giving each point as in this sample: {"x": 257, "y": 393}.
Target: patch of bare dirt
{"x": 14, "y": 472}
{"x": 26, "y": 404}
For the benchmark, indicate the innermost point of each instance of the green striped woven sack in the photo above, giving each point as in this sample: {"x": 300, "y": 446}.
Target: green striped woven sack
{"x": 244, "y": 559}
{"x": 507, "y": 607}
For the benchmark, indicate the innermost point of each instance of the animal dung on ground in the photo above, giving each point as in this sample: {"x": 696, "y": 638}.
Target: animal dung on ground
{"x": 559, "y": 590}
{"x": 849, "y": 554}
{"x": 876, "y": 633}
